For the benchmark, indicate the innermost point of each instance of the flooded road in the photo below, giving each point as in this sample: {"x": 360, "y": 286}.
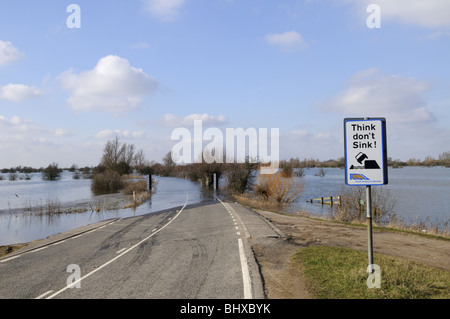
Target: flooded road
{"x": 20, "y": 227}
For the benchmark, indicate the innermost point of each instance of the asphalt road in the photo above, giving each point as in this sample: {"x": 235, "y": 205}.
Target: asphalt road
{"x": 185, "y": 253}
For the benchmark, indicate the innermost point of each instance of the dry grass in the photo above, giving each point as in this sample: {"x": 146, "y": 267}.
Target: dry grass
{"x": 352, "y": 205}
{"x": 9, "y": 249}
{"x": 277, "y": 188}
{"x": 138, "y": 191}
{"x": 256, "y": 202}
{"x": 137, "y": 187}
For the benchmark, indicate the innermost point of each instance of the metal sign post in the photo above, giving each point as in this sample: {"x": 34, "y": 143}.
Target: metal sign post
{"x": 369, "y": 226}
{"x": 366, "y": 162}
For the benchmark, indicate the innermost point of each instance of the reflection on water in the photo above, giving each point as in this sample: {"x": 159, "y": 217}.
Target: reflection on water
{"x": 419, "y": 194}
{"x": 19, "y": 227}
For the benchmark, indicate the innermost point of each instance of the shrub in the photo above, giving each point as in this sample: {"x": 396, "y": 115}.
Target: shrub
{"x": 107, "y": 183}
{"x": 241, "y": 176}
{"x": 353, "y": 209}
{"x": 205, "y": 170}
{"x": 52, "y": 172}
{"x": 277, "y": 188}
{"x": 137, "y": 187}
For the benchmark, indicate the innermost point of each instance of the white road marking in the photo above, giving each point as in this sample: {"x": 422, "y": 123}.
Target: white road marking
{"x": 244, "y": 264}
{"x": 55, "y": 243}
{"x": 8, "y": 259}
{"x": 120, "y": 250}
{"x": 58, "y": 242}
{"x": 118, "y": 256}
{"x": 45, "y": 294}
{"x": 245, "y": 272}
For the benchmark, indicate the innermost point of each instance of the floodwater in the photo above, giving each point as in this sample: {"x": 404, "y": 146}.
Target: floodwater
{"x": 420, "y": 194}
{"x": 17, "y": 226}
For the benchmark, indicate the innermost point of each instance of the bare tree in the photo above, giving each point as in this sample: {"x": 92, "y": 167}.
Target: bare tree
{"x": 241, "y": 176}
{"x": 139, "y": 159}
{"x": 111, "y": 154}
{"x": 119, "y": 157}
{"x": 168, "y": 165}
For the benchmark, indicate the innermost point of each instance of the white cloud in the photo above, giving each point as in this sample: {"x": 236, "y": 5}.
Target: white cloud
{"x": 188, "y": 121}
{"x": 113, "y": 85}
{"x": 372, "y": 94}
{"x": 288, "y": 41}
{"x": 17, "y": 125}
{"x": 413, "y": 130}
{"x": 9, "y": 53}
{"x": 19, "y": 92}
{"x": 425, "y": 13}
{"x": 61, "y": 132}
{"x": 165, "y": 10}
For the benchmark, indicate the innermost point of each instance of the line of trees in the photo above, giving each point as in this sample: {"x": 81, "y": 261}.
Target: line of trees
{"x": 443, "y": 159}
{"x": 240, "y": 178}
{"x": 121, "y": 158}
{"x": 51, "y": 173}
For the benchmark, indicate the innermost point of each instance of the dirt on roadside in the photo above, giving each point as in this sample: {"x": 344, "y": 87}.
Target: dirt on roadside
{"x": 9, "y": 249}
{"x": 283, "y": 281}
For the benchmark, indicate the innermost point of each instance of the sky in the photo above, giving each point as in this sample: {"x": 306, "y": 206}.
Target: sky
{"x": 74, "y": 77}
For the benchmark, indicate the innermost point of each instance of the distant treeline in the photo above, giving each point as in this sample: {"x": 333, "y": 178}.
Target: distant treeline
{"x": 29, "y": 170}
{"x": 442, "y": 160}
{"x": 168, "y": 168}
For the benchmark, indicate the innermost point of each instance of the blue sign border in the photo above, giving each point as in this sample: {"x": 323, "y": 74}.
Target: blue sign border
{"x": 384, "y": 147}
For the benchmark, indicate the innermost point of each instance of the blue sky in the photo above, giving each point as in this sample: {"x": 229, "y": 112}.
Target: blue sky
{"x": 138, "y": 69}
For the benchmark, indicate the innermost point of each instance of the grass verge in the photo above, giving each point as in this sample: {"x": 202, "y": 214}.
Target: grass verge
{"x": 340, "y": 273}
{"x": 9, "y": 249}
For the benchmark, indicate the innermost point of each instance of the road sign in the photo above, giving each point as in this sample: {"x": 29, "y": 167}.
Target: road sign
{"x": 365, "y": 151}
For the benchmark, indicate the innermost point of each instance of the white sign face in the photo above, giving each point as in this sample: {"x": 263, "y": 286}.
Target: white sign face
{"x": 365, "y": 152}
